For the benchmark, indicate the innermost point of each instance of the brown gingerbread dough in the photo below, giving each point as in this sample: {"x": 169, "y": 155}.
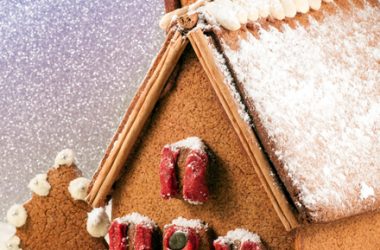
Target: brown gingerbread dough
{"x": 56, "y": 221}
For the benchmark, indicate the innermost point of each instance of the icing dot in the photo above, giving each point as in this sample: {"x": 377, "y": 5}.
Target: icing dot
{"x": 78, "y": 188}
{"x": 17, "y": 215}
{"x": 97, "y": 222}
{"x": 65, "y": 157}
{"x": 39, "y": 185}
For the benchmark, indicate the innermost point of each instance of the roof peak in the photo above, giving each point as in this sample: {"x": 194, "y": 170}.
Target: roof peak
{"x": 232, "y": 14}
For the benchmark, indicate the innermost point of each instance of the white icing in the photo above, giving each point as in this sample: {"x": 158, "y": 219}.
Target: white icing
{"x": 17, "y": 215}
{"x": 78, "y": 188}
{"x": 11, "y": 244}
{"x": 97, "y": 222}
{"x": 277, "y": 11}
{"x": 302, "y": 6}
{"x": 225, "y": 17}
{"x": 315, "y": 4}
{"x": 6, "y": 231}
{"x": 65, "y": 157}
{"x": 190, "y": 143}
{"x": 39, "y": 185}
{"x": 366, "y": 191}
{"x": 194, "y": 223}
{"x": 316, "y": 91}
{"x": 136, "y": 219}
{"x": 289, "y": 8}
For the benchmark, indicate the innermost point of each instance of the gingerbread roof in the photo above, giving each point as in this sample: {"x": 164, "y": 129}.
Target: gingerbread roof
{"x": 306, "y": 86}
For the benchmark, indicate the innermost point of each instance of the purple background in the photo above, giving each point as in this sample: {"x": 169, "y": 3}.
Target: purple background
{"x": 68, "y": 70}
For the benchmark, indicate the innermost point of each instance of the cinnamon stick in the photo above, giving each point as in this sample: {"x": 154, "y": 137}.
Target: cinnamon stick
{"x": 113, "y": 163}
{"x": 243, "y": 130}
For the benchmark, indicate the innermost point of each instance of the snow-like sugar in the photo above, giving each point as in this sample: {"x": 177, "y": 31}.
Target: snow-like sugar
{"x": 243, "y": 235}
{"x": 190, "y": 143}
{"x": 193, "y": 223}
{"x": 366, "y": 191}
{"x": 316, "y": 91}
{"x": 232, "y": 88}
{"x": 137, "y": 218}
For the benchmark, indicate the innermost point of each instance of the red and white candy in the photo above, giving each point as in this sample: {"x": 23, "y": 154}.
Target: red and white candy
{"x": 143, "y": 235}
{"x": 195, "y": 189}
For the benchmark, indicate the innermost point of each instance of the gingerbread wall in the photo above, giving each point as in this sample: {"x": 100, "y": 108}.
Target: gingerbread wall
{"x": 237, "y": 198}
{"x": 359, "y": 232}
{"x": 57, "y": 221}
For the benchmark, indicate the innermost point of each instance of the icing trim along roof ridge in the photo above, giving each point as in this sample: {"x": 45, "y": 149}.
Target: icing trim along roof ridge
{"x": 232, "y": 14}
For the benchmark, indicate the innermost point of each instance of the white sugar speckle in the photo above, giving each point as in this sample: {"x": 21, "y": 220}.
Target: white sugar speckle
{"x": 366, "y": 191}
{"x": 190, "y": 142}
{"x": 192, "y": 223}
{"x": 136, "y": 219}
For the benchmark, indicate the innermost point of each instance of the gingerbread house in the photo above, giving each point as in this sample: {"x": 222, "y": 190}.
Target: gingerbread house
{"x": 261, "y": 115}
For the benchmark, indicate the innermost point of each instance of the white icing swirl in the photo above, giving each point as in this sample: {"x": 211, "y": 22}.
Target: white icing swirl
{"x": 17, "y": 215}
{"x": 78, "y": 188}
{"x": 39, "y": 185}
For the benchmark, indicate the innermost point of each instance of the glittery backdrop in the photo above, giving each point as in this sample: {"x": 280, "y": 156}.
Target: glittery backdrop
{"x": 68, "y": 70}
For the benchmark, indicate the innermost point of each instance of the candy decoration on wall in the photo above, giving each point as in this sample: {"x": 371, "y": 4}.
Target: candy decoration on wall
{"x": 168, "y": 179}
{"x": 195, "y": 189}
{"x": 239, "y": 239}
{"x": 133, "y": 230}
{"x": 186, "y": 235}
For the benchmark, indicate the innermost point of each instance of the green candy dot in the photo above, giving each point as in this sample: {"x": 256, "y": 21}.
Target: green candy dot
{"x": 177, "y": 241}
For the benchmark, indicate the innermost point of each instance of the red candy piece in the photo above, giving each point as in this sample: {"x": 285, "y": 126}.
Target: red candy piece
{"x": 195, "y": 189}
{"x": 143, "y": 238}
{"x": 193, "y": 239}
{"x": 218, "y": 245}
{"x": 118, "y": 236}
{"x": 249, "y": 245}
{"x": 168, "y": 179}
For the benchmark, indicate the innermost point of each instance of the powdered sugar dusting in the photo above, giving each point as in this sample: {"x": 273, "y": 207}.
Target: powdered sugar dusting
{"x": 194, "y": 223}
{"x": 229, "y": 82}
{"x": 243, "y": 235}
{"x": 136, "y": 219}
{"x": 366, "y": 191}
{"x": 317, "y": 92}
{"x": 190, "y": 143}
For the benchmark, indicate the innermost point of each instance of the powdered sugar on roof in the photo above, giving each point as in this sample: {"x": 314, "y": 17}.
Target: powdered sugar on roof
{"x": 366, "y": 191}
{"x": 317, "y": 92}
